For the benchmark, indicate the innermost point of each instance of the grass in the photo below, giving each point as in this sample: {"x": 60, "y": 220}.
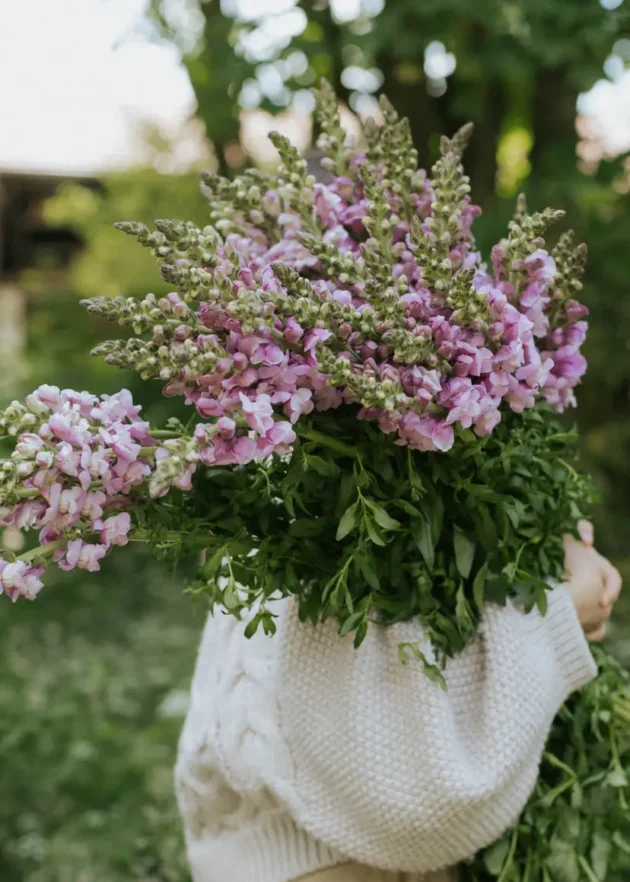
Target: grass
{"x": 92, "y": 695}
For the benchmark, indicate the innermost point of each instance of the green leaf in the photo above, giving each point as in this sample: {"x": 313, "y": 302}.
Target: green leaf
{"x": 407, "y": 651}
{"x": 542, "y": 602}
{"x": 515, "y": 511}
{"x": 617, "y": 778}
{"x": 620, "y": 842}
{"x": 408, "y": 507}
{"x": 467, "y": 436}
{"x": 462, "y": 613}
{"x": 359, "y": 637}
{"x": 464, "y": 552}
{"x": 252, "y": 627}
{"x": 326, "y": 468}
{"x": 367, "y": 571}
{"x": 213, "y": 564}
{"x": 600, "y": 855}
{"x": 563, "y": 438}
{"x": 495, "y": 856}
{"x": 418, "y": 489}
{"x": 485, "y": 528}
{"x": 348, "y": 522}
{"x": 563, "y": 862}
{"x": 269, "y": 626}
{"x": 351, "y": 622}
{"x": 307, "y": 527}
{"x": 434, "y": 674}
{"x": 587, "y": 870}
{"x": 422, "y": 535}
{"x": 479, "y": 586}
{"x": 230, "y": 597}
{"x": 482, "y": 492}
{"x": 381, "y": 517}
{"x": 373, "y": 533}
{"x": 347, "y": 491}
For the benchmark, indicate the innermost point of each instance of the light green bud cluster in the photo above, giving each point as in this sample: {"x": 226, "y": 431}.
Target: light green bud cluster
{"x": 393, "y": 149}
{"x": 183, "y": 452}
{"x": 365, "y": 388}
{"x": 450, "y": 189}
{"x": 294, "y": 182}
{"x": 437, "y": 269}
{"x": 142, "y": 315}
{"x": 379, "y": 222}
{"x": 570, "y": 264}
{"x": 332, "y": 140}
{"x": 15, "y": 419}
{"x": 470, "y": 307}
{"x": 344, "y": 268}
{"x": 526, "y": 231}
{"x": 161, "y": 357}
{"x": 237, "y": 203}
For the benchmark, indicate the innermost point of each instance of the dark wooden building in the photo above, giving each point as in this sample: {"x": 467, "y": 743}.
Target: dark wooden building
{"x": 26, "y": 241}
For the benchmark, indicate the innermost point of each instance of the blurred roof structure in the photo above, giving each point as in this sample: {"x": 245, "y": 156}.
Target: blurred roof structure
{"x": 25, "y": 239}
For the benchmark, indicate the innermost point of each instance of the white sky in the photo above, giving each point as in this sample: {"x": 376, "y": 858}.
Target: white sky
{"x": 72, "y": 93}
{"x": 69, "y": 95}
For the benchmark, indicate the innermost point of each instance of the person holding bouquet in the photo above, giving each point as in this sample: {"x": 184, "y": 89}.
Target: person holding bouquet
{"x": 305, "y": 759}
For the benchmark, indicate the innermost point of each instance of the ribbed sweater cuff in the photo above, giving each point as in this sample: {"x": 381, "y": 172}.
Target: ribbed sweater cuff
{"x": 575, "y": 662}
{"x": 270, "y": 849}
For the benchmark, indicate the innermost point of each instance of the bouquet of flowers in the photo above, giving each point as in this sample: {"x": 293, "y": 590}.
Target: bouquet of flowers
{"x": 373, "y": 429}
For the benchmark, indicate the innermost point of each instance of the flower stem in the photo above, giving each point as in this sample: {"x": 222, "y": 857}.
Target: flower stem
{"x": 27, "y": 493}
{"x": 165, "y": 434}
{"x": 327, "y": 441}
{"x": 42, "y": 550}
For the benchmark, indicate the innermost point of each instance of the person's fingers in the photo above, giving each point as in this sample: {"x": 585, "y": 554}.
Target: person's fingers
{"x": 597, "y": 635}
{"x": 586, "y": 532}
{"x": 572, "y": 548}
{"x": 612, "y": 584}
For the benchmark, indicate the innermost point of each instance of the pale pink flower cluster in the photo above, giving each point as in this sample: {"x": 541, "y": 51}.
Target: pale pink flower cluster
{"x": 76, "y": 471}
{"x": 268, "y": 379}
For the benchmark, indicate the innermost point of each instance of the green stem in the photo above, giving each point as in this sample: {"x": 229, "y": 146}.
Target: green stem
{"x": 165, "y": 434}
{"x": 294, "y": 347}
{"x": 509, "y": 861}
{"x": 27, "y": 493}
{"x": 327, "y": 441}
{"x": 42, "y": 550}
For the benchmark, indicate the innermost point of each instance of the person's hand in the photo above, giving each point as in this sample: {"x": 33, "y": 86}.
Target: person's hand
{"x": 592, "y": 581}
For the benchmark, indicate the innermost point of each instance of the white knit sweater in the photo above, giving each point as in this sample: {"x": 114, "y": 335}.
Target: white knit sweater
{"x": 300, "y": 752}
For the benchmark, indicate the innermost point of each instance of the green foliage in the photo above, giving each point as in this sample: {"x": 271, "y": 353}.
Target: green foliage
{"x": 95, "y": 674}
{"x": 407, "y": 534}
{"x": 110, "y": 264}
{"x": 93, "y": 690}
{"x": 576, "y": 826}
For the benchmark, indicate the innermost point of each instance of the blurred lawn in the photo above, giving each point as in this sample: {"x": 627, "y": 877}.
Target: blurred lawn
{"x": 92, "y": 694}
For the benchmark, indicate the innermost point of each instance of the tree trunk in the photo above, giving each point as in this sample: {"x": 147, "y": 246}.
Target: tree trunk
{"x": 553, "y": 124}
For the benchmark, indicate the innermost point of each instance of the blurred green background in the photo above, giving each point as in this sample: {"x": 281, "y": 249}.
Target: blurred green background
{"x": 94, "y": 675}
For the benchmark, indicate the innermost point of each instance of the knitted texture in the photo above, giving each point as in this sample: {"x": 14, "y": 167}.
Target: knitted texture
{"x": 300, "y": 753}
{"x": 357, "y": 873}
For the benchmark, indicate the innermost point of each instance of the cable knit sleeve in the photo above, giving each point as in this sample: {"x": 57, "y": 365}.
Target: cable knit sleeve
{"x": 397, "y": 773}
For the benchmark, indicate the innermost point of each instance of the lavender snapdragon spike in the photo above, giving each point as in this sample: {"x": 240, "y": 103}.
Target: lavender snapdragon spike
{"x": 78, "y": 466}
{"x": 367, "y": 290}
